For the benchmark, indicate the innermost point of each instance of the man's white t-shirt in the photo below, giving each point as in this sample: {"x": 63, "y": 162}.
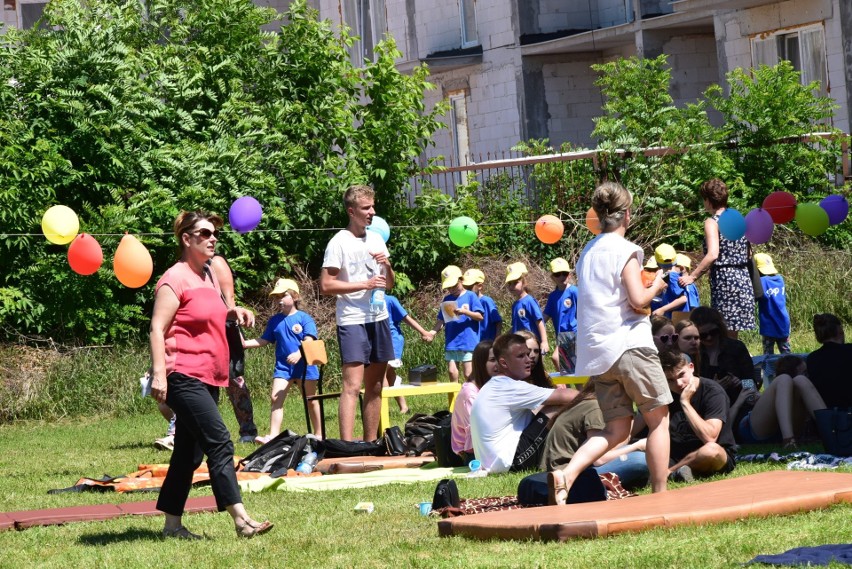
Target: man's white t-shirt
{"x": 607, "y": 325}
{"x": 352, "y": 256}
{"x": 501, "y": 412}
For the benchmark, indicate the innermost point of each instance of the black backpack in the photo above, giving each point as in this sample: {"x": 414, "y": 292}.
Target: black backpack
{"x": 281, "y": 453}
{"x": 421, "y": 429}
{"x": 336, "y": 448}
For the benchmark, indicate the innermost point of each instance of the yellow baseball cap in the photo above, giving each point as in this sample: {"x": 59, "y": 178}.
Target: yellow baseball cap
{"x": 765, "y": 266}
{"x": 665, "y": 254}
{"x": 683, "y": 261}
{"x": 651, "y": 264}
{"x": 515, "y": 271}
{"x": 283, "y": 285}
{"x": 473, "y": 276}
{"x": 450, "y": 276}
{"x": 559, "y": 265}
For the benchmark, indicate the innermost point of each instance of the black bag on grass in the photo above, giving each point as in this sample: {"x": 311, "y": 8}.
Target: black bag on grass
{"x": 444, "y": 448}
{"x": 421, "y": 429}
{"x": 283, "y": 452}
{"x": 446, "y": 495}
{"x": 336, "y": 448}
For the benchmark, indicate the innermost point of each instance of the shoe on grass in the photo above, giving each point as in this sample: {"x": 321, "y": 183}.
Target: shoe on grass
{"x": 165, "y": 443}
{"x": 247, "y": 439}
{"x": 682, "y": 474}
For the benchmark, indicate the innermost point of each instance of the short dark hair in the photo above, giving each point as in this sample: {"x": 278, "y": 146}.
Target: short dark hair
{"x": 826, "y": 327}
{"x": 672, "y": 360}
{"x": 715, "y": 191}
{"x": 504, "y": 342}
{"x": 705, "y": 315}
{"x": 788, "y": 364}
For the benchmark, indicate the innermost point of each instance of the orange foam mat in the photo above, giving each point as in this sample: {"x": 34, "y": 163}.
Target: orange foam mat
{"x": 57, "y": 516}
{"x": 760, "y": 495}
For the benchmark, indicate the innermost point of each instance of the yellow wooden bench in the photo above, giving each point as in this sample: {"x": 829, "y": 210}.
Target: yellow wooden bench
{"x": 575, "y": 381}
{"x": 451, "y": 389}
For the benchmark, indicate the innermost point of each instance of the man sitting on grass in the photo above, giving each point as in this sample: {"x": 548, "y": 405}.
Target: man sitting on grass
{"x": 702, "y": 443}
{"x": 510, "y": 418}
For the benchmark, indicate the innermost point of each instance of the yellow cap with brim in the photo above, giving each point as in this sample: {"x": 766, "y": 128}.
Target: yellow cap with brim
{"x": 473, "y": 276}
{"x": 283, "y": 285}
{"x": 450, "y": 276}
{"x": 515, "y": 271}
{"x": 559, "y": 265}
{"x": 683, "y": 261}
{"x": 765, "y": 266}
{"x": 665, "y": 254}
{"x": 651, "y": 264}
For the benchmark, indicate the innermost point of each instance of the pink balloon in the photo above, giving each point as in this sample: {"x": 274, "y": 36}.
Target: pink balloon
{"x": 837, "y": 208}
{"x": 759, "y": 226}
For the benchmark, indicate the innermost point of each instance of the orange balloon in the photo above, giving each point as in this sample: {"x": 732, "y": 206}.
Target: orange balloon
{"x": 549, "y": 229}
{"x": 85, "y": 254}
{"x": 132, "y": 263}
{"x": 592, "y": 221}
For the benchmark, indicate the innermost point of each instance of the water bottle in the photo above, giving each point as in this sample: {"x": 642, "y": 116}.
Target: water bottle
{"x": 377, "y": 296}
{"x": 309, "y": 462}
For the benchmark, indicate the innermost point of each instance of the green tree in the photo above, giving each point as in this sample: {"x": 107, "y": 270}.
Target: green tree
{"x": 128, "y": 112}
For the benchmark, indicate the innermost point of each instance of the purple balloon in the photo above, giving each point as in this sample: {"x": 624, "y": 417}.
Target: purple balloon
{"x": 732, "y": 224}
{"x": 759, "y": 226}
{"x": 836, "y": 207}
{"x": 245, "y": 214}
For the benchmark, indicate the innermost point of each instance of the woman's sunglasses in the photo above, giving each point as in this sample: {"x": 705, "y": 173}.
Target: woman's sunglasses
{"x": 665, "y": 338}
{"x": 206, "y": 233}
{"x": 707, "y": 334}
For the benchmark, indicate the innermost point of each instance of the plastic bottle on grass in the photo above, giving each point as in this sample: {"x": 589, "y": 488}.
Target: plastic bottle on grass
{"x": 309, "y": 461}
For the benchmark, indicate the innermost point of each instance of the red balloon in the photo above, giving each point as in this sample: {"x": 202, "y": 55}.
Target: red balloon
{"x": 592, "y": 221}
{"x": 781, "y": 206}
{"x": 85, "y": 254}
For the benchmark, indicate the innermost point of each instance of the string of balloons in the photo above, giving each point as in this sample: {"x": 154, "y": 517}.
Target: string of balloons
{"x": 133, "y": 265}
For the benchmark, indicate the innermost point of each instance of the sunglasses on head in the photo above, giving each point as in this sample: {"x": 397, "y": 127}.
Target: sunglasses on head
{"x": 707, "y": 334}
{"x": 206, "y": 233}
{"x": 666, "y": 337}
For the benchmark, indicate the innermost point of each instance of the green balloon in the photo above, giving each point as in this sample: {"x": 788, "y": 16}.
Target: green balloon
{"x": 811, "y": 218}
{"x": 463, "y": 231}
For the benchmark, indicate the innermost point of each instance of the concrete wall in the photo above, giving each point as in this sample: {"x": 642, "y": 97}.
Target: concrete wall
{"x": 734, "y": 30}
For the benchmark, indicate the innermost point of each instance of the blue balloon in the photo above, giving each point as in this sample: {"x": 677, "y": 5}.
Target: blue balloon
{"x": 732, "y": 225}
{"x": 381, "y": 227}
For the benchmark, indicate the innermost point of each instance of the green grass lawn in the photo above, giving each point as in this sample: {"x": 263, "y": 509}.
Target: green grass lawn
{"x": 321, "y": 529}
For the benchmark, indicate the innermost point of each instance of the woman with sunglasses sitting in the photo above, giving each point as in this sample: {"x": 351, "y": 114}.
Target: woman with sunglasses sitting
{"x": 722, "y": 358}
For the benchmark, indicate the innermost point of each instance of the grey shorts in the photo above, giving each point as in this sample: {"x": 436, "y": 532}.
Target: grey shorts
{"x": 365, "y": 343}
{"x": 636, "y": 377}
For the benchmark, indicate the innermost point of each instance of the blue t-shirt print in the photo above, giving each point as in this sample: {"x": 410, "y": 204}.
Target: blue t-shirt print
{"x": 461, "y": 332}
{"x": 561, "y": 307}
{"x": 488, "y": 326}
{"x": 772, "y": 308}
{"x": 525, "y": 315}
{"x": 287, "y": 333}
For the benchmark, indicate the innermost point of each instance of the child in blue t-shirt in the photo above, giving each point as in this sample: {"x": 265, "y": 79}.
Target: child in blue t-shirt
{"x": 526, "y": 314}
{"x": 677, "y": 298}
{"x": 396, "y": 316}
{"x": 561, "y": 308}
{"x": 287, "y": 330}
{"x": 772, "y": 308}
{"x": 492, "y": 323}
{"x": 461, "y": 314}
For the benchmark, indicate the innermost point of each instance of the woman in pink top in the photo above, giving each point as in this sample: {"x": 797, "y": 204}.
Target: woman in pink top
{"x": 484, "y": 368}
{"x": 189, "y": 355}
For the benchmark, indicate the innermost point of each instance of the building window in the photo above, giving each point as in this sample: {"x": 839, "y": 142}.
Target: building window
{"x": 29, "y": 12}
{"x": 467, "y": 10}
{"x": 458, "y": 120}
{"x": 804, "y": 48}
{"x": 367, "y": 20}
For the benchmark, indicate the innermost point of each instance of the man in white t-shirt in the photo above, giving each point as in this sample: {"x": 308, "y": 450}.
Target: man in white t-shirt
{"x": 507, "y": 427}
{"x": 355, "y": 265}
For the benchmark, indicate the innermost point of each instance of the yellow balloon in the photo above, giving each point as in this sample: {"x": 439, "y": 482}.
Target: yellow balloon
{"x": 132, "y": 263}
{"x": 60, "y": 224}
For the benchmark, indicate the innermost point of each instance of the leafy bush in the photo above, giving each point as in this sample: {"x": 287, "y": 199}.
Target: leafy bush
{"x": 128, "y": 112}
